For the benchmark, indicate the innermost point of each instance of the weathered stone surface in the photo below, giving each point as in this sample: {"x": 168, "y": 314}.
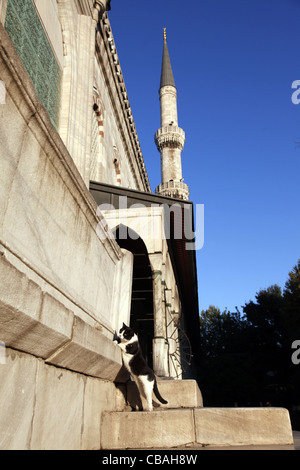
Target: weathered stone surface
{"x": 89, "y": 352}
{"x": 57, "y": 418}
{"x": 201, "y": 426}
{"x": 48, "y": 217}
{"x": 52, "y": 408}
{"x": 144, "y": 430}
{"x": 178, "y": 393}
{"x": 243, "y": 426}
{"x": 53, "y": 262}
{"x": 30, "y": 320}
{"x": 17, "y": 379}
{"x": 122, "y": 292}
{"x": 99, "y": 396}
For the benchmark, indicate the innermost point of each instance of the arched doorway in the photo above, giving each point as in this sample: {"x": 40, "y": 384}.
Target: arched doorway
{"x": 141, "y": 313}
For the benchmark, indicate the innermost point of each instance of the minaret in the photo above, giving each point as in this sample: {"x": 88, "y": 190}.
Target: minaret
{"x": 170, "y": 138}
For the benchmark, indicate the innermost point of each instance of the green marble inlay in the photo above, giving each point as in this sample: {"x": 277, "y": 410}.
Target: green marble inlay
{"x": 29, "y": 38}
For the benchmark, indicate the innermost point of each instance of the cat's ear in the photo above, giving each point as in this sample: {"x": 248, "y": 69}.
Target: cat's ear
{"x": 124, "y": 326}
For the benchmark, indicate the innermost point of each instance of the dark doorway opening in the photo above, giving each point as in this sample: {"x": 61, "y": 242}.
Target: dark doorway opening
{"x": 141, "y": 313}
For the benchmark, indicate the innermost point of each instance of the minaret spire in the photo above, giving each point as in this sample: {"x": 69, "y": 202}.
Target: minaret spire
{"x": 167, "y": 77}
{"x": 170, "y": 138}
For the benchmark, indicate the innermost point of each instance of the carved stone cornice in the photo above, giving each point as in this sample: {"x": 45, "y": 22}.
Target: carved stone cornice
{"x": 94, "y": 8}
{"x": 101, "y": 6}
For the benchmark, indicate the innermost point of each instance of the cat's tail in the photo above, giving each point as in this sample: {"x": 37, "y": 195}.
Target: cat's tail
{"x": 157, "y": 394}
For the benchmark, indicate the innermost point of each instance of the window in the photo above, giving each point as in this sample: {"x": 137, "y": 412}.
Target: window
{"x": 96, "y": 167}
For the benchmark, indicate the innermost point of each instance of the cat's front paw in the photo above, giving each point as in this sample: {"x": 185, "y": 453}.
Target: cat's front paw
{"x": 116, "y": 338}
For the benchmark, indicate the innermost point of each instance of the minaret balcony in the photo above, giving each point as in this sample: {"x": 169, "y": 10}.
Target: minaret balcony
{"x": 170, "y": 136}
{"x": 175, "y": 189}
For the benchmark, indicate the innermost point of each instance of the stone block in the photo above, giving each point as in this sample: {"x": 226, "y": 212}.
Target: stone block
{"x": 144, "y": 430}
{"x": 17, "y": 379}
{"x": 30, "y": 320}
{"x": 99, "y": 396}
{"x": 18, "y": 294}
{"x": 178, "y": 393}
{"x": 57, "y": 419}
{"x": 243, "y": 426}
{"x": 91, "y": 353}
{"x": 44, "y": 407}
{"x": 58, "y": 320}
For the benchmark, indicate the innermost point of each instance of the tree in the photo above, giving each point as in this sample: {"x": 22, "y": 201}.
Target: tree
{"x": 267, "y": 343}
{"x": 246, "y": 359}
{"x": 226, "y": 366}
{"x": 291, "y": 319}
{"x": 265, "y": 316}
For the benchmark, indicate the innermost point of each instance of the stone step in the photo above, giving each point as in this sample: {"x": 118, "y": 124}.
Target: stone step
{"x": 165, "y": 429}
{"x": 178, "y": 393}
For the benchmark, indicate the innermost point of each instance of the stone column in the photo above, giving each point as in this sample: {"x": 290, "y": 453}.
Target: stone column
{"x": 121, "y": 293}
{"x": 159, "y": 339}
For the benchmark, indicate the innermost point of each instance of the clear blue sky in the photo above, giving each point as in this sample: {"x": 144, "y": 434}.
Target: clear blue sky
{"x": 234, "y": 63}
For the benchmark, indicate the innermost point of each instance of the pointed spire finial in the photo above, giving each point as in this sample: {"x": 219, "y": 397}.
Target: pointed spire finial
{"x": 167, "y": 78}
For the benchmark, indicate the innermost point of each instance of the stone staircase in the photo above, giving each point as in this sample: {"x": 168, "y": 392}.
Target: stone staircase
{"x": 183, "y": 422}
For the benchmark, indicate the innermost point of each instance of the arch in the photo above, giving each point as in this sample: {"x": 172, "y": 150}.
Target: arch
{"x": 142, "y": 311}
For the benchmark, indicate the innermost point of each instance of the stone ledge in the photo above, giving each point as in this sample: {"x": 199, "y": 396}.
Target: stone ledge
{"x": 91, "y": 353}
{"x": 36, "y": 323}
{"x": 31, "y": 320}
{"x": 178, "y": 393}
{"x": 243, "y": 426}
{"x": 197, "y": 427}
{"x": 144, "y": 430}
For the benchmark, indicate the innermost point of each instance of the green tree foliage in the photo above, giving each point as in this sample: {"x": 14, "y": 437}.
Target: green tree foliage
{"x": 226, "y": 369}
{"x": 246, "y": 358}
{"x": 267, "y": 343}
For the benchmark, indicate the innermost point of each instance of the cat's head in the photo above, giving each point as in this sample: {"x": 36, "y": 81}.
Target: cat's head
{"x": 126, "y": 333}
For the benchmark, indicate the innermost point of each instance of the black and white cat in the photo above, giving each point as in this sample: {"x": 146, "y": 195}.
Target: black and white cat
{"x": 134, "y": 362}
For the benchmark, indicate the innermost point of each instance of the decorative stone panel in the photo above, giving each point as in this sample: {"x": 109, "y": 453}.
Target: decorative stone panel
{"x": 29, "y": 38}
